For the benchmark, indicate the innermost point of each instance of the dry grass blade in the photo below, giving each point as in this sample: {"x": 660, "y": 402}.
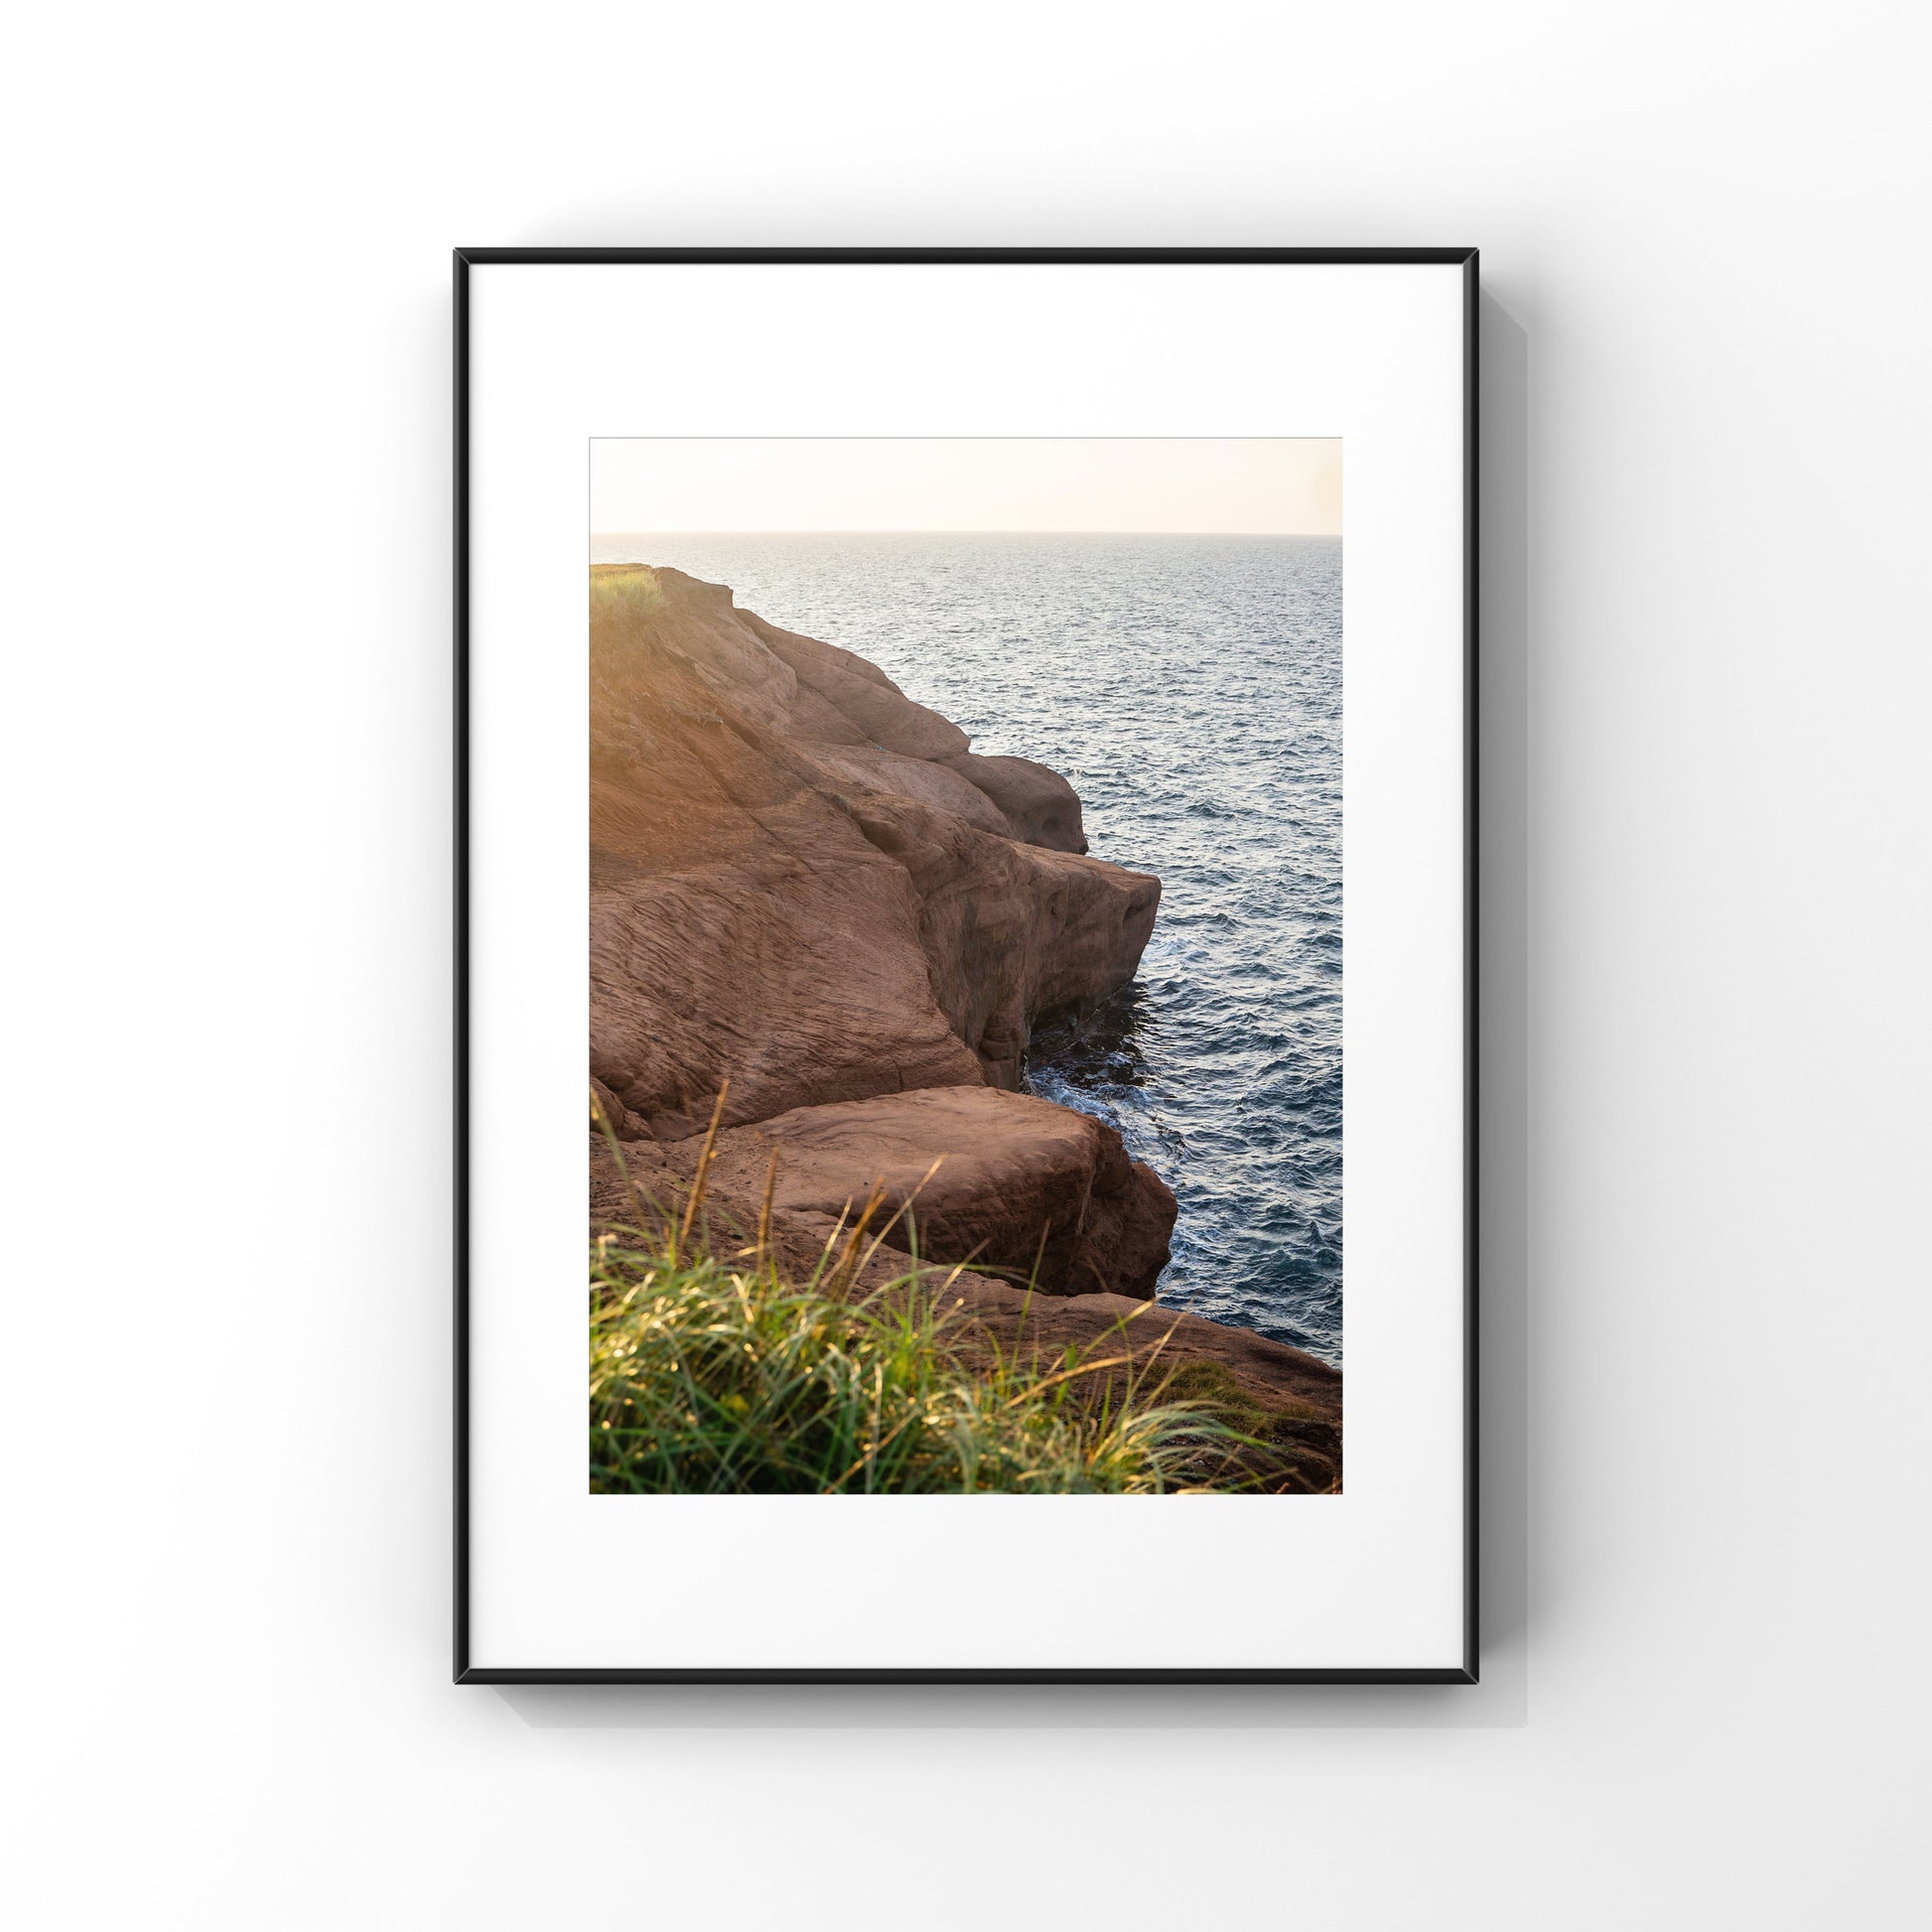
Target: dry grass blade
{"x": 646, "y": 1212}
{"x": 903, "y": 1213}
{"x": 705, "y": 1157}
{"x": 846, "y": 1267}
{"x": 1073, "y": 1374}
{"x": 764, "y": 1205}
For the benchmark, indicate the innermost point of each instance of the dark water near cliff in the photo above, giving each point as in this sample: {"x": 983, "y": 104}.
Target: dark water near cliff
{"x": 1190, "y": 688}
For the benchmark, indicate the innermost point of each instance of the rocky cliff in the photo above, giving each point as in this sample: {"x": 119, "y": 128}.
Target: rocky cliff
{"x": 806, "y": 883}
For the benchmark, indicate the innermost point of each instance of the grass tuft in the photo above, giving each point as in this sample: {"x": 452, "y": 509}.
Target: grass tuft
{"x": 625, "y": 600}
{"x": 624, "y": 596}
{"x": 1212, "y": 1389}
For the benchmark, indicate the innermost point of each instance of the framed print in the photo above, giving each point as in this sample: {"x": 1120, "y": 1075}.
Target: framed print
{"x": 966, "y": 933}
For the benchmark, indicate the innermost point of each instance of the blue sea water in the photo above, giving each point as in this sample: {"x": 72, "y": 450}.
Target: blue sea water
{"x": 1190, "y": 689}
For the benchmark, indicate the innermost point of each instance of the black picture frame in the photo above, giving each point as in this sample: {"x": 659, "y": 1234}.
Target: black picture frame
{"x": 465, "y": 1672}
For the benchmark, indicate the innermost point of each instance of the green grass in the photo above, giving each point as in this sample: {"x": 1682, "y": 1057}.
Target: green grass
{"x": 713, "y": 1373}
{"x": 622, "y": 597}
{"x": 1210, "y": 1388}
{"x": 622, "y": 603}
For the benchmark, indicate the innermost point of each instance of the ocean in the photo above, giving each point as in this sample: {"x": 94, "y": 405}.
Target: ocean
{"x": 1190, "y": 689}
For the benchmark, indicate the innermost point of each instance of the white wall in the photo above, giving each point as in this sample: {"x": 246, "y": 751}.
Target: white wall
{"x": 1704, "y": 236}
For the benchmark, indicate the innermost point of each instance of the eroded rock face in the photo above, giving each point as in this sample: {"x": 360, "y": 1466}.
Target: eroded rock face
{"x": 803, "y": 881}
{"x": 1039, "y": 805}
{"x": 1007, "y": 1181}
{"x": 1010, "y": 931}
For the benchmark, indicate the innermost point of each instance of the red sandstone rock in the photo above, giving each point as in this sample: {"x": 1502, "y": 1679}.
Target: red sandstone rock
{"x": 1039, "y": 805}
{"x": 1038, "y": 1192}
{"x": 814, "y": 919}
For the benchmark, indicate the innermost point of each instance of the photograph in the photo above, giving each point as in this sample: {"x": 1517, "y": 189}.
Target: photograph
{"x": 966, "y": 966}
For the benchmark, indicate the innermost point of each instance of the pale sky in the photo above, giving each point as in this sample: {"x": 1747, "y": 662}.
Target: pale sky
{"x": 1262, "y": 486}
